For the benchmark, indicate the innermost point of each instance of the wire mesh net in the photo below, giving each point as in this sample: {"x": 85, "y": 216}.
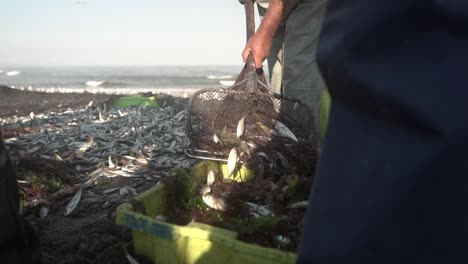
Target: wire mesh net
{"x": 213, "y": 121}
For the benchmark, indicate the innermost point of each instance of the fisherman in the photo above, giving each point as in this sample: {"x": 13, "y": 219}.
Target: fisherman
{"x": 18, "y": 241}
{"x": 290, "y": 47}
{"x": 392, "y": 183}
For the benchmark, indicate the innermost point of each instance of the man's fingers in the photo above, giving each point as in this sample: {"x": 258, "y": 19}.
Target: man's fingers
{"x": 258, "y": 62}
{"x": 245, "y": 54}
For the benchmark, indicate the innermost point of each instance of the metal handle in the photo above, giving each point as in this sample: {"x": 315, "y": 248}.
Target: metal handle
{"x": 251, "y": 74}
{"x": 250, "y": 17}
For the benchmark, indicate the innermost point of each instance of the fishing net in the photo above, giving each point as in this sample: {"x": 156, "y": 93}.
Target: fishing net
{"x": 213, "y": 122}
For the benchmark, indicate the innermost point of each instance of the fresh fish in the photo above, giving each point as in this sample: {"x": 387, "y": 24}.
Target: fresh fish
{"x": 251, "y": 144}
{"x": 283, "y": 161}
{"x": 85, "y": 146}
{"x": 264, "y": 128}
{"x": 73, "y": 203}
{"x": 111, "y": 190}
{"x": 283, "y": 131}
{"x": 263, "y": 155}
{"x": 241, "y": 127}
{"x": 282, "y": 240}
{"x": 244, "y": 148}
{"x": 101, "y": 118}
{"x": 111, "y": 163}
{"x": 210, "y": 179}
{"x": 57, "y": 157}
{"x": 179, "y": 116}
{"x": 79, "y": 136}
{"x": 129, "y": 257}
{"x": 299, "y": 205}
{"x": 161, "y": 217}
{"x": 259, "y": 210}
{"x": 215, "y": 203}
{"x": 232, "y": 161}
{"x": 216, "y": 139}
{"x": 123, "y": 191}
{"x": 43, "y": 212}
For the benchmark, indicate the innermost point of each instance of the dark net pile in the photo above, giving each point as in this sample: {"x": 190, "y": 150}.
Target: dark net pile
{"x": 218, "y": 112}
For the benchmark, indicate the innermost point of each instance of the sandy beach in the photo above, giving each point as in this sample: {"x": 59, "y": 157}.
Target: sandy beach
{"x": 67, "y": 146}
{"x": 13, "y": 101}
{"x": 21, "y": 102}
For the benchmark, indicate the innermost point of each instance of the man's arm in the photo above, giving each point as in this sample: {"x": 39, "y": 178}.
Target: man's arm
{"x": 260, "y": 43}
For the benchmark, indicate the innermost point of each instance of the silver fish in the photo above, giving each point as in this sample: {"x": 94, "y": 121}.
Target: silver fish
{"x": 232, "y": 161}
{"x": 283, "y": 131}
{"x": 73, "y": 203}
{"x": 123, "y": 191}
{"x": 283, "y": 161}
{"x": 101, "y": 118}
{"x": 111, "y": 163}
{"x": 57, "y": 157}
{"x": 241, "y": 127}
{"x": 210, "y": 179}
{"x": 129, "y": 257}
{"x": 216, "y": 139}
{"x": 303, "y": 205}
{"x": 161, "y": 217}
{"x": 258, "y": 210}
{"x": 211, "y": 201}
{"x": 85, "y": 146}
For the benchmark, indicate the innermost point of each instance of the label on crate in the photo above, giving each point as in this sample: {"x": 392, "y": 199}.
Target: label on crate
{"x": 144, "y": 225}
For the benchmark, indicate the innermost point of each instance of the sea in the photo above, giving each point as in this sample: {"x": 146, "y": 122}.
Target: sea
{"x": 125, "y": 79}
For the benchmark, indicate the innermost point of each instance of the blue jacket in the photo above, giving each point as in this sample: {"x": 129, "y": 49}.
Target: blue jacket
{"x": 392, "y": 183}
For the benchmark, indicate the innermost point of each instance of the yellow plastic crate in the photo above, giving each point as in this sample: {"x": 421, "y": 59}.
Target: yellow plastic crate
{"x": 164, "y": 243}
{"x": 324, "y": 113}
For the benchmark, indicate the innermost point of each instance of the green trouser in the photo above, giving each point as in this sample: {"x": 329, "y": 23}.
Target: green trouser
{"x": 292, "y": 61}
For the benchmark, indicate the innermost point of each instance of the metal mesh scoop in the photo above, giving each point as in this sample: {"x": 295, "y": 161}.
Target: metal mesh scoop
{"x": 253, "y": 120}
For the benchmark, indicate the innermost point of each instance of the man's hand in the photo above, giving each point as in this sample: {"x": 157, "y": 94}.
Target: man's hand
{"x": 259, "y": 45}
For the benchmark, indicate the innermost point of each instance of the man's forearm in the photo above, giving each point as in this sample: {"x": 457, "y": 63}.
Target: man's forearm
{"x": 272, "y": 18}
{"x": 277, "y": 11}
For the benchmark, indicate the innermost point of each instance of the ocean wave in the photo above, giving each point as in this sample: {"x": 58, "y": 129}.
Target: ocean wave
{"x": 94, "y": 83}
{"x": 1, "y": 71}
{"x": 13, "y": 73}
{"x": 218, "y": 77}
{"x": 227, "y": 83}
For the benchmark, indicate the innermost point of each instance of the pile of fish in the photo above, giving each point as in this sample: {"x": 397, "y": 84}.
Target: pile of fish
{"x": 249, "y": 146}
{"x": 103, "y": 142}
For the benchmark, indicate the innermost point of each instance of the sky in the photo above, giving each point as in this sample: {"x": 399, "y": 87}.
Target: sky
{"x": 121, "y": 32}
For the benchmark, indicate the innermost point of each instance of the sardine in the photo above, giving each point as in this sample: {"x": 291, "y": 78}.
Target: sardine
{"x": 73, "y": 203}
{"x": 259, "y": 210}
{"x": 241, "y": 127}
{"x": 210, "y": 179}
{"x": 213, "y": 202}
{"x": 232, "y": 161}
{"x": 283, "y": 131}
{"x": 299, "y": 205}
{"x": 216, "y": 139}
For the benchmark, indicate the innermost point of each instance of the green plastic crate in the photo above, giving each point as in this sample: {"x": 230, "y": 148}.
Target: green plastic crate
{"x": 135, "y": 100}
{"x": 163, "y": 242}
